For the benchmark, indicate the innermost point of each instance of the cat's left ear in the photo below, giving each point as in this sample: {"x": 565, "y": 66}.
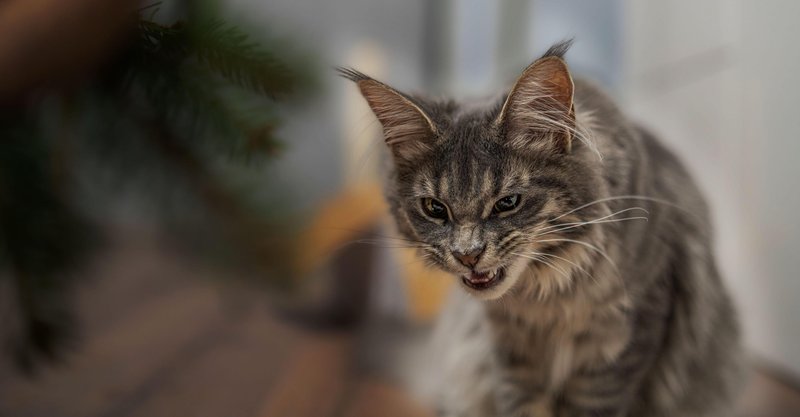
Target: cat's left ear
{"x": 539, "y": 112}
{"x": 407, "y": 129}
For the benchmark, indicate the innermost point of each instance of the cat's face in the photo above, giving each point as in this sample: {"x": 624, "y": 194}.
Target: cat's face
{"x": 476, "y": 207}
{"x": 482, "y": 192}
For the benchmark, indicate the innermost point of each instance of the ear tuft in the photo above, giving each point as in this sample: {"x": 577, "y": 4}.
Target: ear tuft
{"x": 351, "y": 74}
{"x": 559, "y": 49}
{"x": 407, "y": 129}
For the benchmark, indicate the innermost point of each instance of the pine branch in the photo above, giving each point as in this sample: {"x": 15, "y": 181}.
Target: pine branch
{"x": 197, "y": 99}
{"x": 230, "y": 52}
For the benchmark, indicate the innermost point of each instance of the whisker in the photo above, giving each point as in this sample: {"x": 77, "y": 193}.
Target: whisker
{"x": 545, "y": 262}
{"x": 623, "y": 197}
{"x": 572, "y": 263}
{"x": 423, "y": 257}
{"x": 599, "y": 218}
{"x": 565, "y": 260}
{"x": 586, "y": 244}
{"x": 391, "y": 245}
{"x": 393, "y": 240}
{"x": 560, "y": 284}
{"x": 574, "y": 225}
{"x": 395, "y": 237}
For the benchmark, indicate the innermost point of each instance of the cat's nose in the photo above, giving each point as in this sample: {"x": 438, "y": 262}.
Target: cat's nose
{"x": 470, "y": 258}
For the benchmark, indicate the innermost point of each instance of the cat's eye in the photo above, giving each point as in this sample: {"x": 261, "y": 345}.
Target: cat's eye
{"x": 507, "y": 203}
{"x": 434, "y": 208}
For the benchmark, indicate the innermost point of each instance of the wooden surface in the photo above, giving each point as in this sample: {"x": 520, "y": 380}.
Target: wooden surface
{"x": 160, "y": 340}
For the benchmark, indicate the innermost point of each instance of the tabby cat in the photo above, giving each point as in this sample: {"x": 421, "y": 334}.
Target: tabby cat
{"x": 581, "y": 244}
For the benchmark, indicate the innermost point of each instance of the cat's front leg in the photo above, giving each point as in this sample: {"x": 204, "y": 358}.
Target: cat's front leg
{"x": 607, "y": 383}
{"x": 520, "y": 393}
{"x": 608, "y": 391}
{"x": 542, "y": 407}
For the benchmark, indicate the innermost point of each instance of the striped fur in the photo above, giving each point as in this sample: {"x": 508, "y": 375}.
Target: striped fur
{"x": 611, "y": 303}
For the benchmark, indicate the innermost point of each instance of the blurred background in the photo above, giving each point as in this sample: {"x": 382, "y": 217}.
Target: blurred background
{"x": 190, "y": 198}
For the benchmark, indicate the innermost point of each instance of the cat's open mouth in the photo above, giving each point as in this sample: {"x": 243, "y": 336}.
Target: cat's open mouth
{"x": 484, "y": 280}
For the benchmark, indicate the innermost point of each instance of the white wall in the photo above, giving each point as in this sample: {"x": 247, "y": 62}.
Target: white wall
{"x": 373, "y": 35}
{"x": 718, "y": 80}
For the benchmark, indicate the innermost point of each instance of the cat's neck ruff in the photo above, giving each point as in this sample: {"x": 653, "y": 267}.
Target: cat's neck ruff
{"x": 570, "y": 291}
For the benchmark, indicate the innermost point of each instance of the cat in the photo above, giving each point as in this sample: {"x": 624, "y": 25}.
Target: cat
{"x": 581, "y": 246}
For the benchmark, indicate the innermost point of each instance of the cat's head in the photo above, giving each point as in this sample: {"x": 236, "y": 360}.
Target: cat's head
{"x": 480, "y": 191}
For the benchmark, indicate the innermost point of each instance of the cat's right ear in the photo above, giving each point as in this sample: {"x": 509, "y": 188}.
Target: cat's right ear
{"x": 407, "y": 130}
{"x": 539, "y": 111}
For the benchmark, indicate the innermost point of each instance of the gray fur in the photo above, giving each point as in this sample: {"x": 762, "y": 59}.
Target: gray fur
{"x": 605, "y": 318}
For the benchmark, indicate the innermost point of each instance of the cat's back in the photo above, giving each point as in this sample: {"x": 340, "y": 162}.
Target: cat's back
{"x": 634, "y": 160}
{"x": 671, "y": 267}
